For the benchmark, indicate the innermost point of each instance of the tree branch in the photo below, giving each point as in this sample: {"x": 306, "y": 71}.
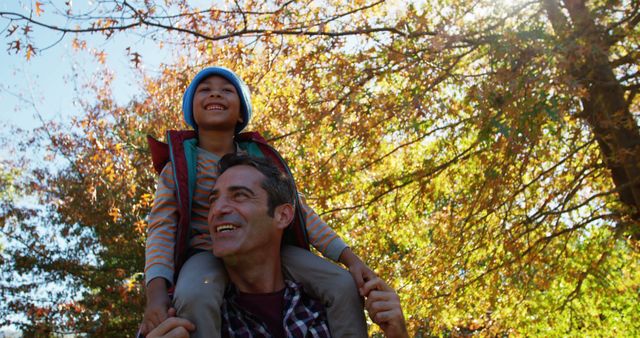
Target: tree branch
{"x": 415, "y": 177}
{"x": 155, "y": 22}
{"x": 631, "y": 58}
{"x": 631, "y": 20}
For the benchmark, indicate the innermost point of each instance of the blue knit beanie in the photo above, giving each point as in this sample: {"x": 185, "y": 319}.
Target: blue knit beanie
{"x": 241, "y": 88}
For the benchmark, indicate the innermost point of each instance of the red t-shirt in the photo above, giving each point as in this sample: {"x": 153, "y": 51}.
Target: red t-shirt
{"x": 266, "y": 306}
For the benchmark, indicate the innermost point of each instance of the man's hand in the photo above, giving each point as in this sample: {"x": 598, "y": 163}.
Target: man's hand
{"x": 172, "y": 327}
{"x": 158, "y": 303}
{"x": 358, "y": 270}
{"x": 383, "y": 305}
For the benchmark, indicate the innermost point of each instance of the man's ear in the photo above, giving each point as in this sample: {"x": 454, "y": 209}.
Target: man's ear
{"x": 283, "y": 215}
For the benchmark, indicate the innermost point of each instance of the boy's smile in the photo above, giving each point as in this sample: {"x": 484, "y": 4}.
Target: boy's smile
{"x": 216, "y": 104}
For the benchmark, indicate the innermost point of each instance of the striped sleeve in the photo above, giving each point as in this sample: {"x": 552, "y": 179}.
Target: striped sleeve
{"x": 161, "y": 229}
{"x": 321, "y": 236}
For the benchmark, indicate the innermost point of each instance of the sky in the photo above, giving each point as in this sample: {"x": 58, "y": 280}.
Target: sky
{"x": 43, "y": 88}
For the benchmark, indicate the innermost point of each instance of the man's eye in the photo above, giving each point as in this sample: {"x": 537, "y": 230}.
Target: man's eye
{"x": 240, "y": 196}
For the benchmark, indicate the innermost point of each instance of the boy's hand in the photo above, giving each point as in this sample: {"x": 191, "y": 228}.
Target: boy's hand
{"x": 154, "y": 314}
{"x": 383, "y": 305}
{"x": 358, "y": 270}
{"x": 157, "y": 309}
{"x": 173, "y": 327}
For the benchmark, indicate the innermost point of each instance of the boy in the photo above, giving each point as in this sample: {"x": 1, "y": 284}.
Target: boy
{"x": 217, "y": 105}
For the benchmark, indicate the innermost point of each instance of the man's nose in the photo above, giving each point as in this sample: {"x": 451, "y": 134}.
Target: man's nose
{"x": 219, "y": 207}
{"x": 217, "y": 211}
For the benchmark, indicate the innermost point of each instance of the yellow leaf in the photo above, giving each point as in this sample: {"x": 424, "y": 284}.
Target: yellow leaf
{"x": 140, "y": 226}
{"x": 29, "y": 52}
{"x": 114, "y": 213}
{"x": 130, "y": 284}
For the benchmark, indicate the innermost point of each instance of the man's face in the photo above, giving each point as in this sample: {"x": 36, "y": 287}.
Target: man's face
{"x": 239, "y": 222}
{"x": 216, "y": 104}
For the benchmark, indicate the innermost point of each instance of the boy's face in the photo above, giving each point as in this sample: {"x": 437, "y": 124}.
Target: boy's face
{"x": 216, "y": 104}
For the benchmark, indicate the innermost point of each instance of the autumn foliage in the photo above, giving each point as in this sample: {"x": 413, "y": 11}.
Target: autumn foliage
{"x": 483, "y": 157}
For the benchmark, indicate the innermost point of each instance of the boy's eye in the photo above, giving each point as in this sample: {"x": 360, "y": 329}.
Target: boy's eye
{"x": 203, "y": 89}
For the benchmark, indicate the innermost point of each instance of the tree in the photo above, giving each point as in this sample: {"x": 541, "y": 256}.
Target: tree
{"x": 482, "y": 156}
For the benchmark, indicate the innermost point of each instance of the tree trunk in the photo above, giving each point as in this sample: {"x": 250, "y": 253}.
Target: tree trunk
{"x": 605, "y": 109}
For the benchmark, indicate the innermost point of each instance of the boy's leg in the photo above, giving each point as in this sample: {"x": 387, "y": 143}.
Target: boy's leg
{"x": 333, "y": 286}
{"x": 199, "y": 293}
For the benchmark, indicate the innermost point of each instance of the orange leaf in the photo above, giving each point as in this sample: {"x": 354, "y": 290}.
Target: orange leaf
{"x": 102, "y": 57}
{"x": 39, "y": 9}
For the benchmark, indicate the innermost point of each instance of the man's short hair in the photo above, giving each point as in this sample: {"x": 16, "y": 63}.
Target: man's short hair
{"x": 278, "y": 185}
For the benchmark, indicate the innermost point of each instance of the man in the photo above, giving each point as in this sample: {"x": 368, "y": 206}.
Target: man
{"x": 251, "y": 205}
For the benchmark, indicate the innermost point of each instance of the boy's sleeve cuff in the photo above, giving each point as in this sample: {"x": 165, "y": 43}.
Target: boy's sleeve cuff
{"x": 334, "y": 249}
{"x": 159, "y": 271}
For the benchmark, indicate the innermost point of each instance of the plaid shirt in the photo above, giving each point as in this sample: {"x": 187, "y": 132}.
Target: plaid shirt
{"x": 303, "y": 316}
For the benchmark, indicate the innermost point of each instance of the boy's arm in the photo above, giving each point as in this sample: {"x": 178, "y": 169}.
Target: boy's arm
{"x": 325, "y": 240}
{"x": 159, "y": 265}
{"x": 158, "y": 302}
{"x": 358, "y": 270}
{"x": 161, "y": 229}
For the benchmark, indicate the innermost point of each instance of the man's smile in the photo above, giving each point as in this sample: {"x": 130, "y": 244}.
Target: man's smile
{"x": 225, "y": 227}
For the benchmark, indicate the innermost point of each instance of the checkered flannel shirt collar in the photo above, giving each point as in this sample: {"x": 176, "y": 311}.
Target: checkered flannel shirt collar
{"x": 303, "y": 316}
